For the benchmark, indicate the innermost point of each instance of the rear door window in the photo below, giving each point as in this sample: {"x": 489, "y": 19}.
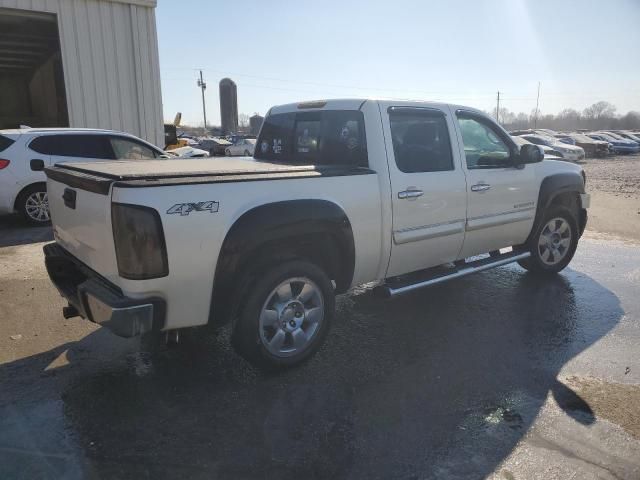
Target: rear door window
{"x": 79, "y": 146}
{"x": 126, "y": 149}
{"x": 421, "y": 141}
{"x": 329, "y": 137}
{"x": 5, "y": 142}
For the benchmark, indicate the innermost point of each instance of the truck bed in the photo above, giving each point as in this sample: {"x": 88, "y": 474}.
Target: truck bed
{"x": 97, "y": 177}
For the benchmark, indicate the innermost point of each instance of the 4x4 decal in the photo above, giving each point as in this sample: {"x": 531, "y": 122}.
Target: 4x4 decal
{"x": 187, "y": 208}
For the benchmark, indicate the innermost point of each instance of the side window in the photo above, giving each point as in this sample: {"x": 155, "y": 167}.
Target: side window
{"x": 126, "y": 149}
{"x": 5, "y": 142}
{"x": 421, "y": 141}
{"x": 79, "y": 146}
{"x": 483, "y": 147}
{"x": 327, "y": 137}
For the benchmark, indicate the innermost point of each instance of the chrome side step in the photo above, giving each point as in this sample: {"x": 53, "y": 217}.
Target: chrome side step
{"x": 435, "y": 276}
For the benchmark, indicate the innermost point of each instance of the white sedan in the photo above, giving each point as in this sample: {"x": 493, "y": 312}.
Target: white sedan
{"x": 243, "y": 147}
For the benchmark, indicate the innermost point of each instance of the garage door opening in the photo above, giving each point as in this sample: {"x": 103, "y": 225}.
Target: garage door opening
{"x": 32, "y": 88}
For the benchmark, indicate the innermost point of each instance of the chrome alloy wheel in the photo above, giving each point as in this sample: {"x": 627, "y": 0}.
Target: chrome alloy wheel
{"x": 554, "y": 241}
{"x": 37, "y": 207}
{"x": 291, "y": 316}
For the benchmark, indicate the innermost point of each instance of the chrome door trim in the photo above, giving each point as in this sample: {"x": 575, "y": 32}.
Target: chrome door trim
{"x": 426, "y": 232}
{"x": 497, "y": 219}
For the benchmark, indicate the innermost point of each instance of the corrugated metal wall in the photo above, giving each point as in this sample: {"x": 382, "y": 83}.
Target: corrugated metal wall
{"x": 110, "y": 61}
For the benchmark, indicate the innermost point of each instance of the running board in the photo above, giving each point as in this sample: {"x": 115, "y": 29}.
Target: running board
{"x": 435, "y": 276}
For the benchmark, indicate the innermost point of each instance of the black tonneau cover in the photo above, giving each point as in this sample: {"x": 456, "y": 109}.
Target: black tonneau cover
{"x": 98, "y": 177}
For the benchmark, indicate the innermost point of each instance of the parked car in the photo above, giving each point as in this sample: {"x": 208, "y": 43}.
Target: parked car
{"x": 564, "y": 138}
{"x": 341, "y": 193}
{"x": 545, "y": 131}
{"x": 618, "y": 145}
{"x": 620, "y": 136}
{"x": 243, "y": 147}
{"x": 569, "y": 152}
{"x": 630, "y": 136}
{"x": 215, "y": 146}
{"x": 187, "y": 152}
{"x": 25, "y": 152}
{"x": 591, "y": 147}
{"x": 549, "y": 153}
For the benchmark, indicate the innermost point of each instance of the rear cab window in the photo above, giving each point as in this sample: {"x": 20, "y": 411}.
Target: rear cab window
{"x": 325, "y": 137}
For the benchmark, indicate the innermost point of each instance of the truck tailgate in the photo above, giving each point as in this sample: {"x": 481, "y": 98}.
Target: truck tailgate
{"x": 82, "y": 224}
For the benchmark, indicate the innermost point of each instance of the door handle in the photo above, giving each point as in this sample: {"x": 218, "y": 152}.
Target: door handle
{"x": 480, "y": 187}
{"x": 409, "y": 194}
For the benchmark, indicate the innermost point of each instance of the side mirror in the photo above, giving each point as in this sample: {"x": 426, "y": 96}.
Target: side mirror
{"x": 530, "y": 154}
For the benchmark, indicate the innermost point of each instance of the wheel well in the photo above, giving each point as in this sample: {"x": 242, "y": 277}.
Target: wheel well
{"x": 568, "y": 200}
{"x": 22, "y": 192}
{"x": 230, "y": 284}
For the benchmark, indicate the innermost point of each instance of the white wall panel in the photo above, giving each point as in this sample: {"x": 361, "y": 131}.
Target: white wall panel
{"x": 111, "y": 63}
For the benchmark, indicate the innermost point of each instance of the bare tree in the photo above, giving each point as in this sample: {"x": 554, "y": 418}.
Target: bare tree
{"x": 600, "y": 110}
{"x": 243, "y": 120}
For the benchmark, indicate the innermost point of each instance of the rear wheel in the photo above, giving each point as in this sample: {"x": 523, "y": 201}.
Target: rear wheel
{"x": 285, "y": 316}
{"x": 227, "y": 152}
{"x": 246, "y": 153}
{"x": 33, "y": 205}
{"x": 553, "y": 245}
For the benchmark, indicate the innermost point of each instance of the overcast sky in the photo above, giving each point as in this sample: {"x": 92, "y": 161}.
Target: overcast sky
{"x": 461, "y": 51}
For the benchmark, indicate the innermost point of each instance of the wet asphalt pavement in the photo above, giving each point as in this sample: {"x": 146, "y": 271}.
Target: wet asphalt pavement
{"x": 501, "y": 375}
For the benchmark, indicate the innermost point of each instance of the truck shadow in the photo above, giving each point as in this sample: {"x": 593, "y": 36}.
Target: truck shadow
{"x": 441, "y": 383}
{"x": 13, "y": 232}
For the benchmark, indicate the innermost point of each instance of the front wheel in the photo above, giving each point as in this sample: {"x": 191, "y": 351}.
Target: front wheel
{"x": 554, "y": 243}
{"x": 285, "y": 316}
{"x": 227, "y": 152}
{"x": 247, "y": 153}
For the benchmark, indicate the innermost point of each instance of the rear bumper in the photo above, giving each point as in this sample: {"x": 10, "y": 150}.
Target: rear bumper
{"x": 98, "y": 300}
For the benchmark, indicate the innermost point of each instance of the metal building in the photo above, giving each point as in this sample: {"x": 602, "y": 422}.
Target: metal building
{"x": 81, "y": 63}
{"x": 228, "y": 106}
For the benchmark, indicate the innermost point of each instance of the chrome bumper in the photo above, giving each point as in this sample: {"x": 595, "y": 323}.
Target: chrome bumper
{"x": 94, "y": 298}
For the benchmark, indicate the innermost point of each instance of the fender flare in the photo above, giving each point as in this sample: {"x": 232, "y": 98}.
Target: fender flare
{"x": 271, "y": 224}
{"x": 550, "y": 188}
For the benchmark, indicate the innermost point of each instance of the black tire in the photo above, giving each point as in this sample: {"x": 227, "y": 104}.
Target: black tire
{"x": 31, "y": 194}
{"x": 536, "y": 262}
{"x": 249, "y": 338}
{"x": 246, "y": 153}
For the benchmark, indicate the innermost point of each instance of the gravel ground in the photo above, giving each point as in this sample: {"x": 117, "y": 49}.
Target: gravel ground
{"x": 614, "y": 185}
{"x": 619, "y": 176}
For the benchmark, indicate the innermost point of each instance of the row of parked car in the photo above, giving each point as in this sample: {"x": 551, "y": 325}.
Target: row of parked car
{"x": 232, "y": 146}
{"x": 574, "y": 146}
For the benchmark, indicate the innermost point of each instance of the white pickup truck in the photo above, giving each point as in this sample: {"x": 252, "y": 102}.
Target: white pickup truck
{"x": 340, "y": 193}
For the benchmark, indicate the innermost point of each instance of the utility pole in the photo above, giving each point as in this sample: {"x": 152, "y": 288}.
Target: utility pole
{"x": 203, "y": 87}
{"x": 535, "y": 118}
{"x": 498, "y": 108}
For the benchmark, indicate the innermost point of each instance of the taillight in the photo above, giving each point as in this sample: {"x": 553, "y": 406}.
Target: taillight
{"x": 139, "y": 240}
{"x": 4, "y": 163}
